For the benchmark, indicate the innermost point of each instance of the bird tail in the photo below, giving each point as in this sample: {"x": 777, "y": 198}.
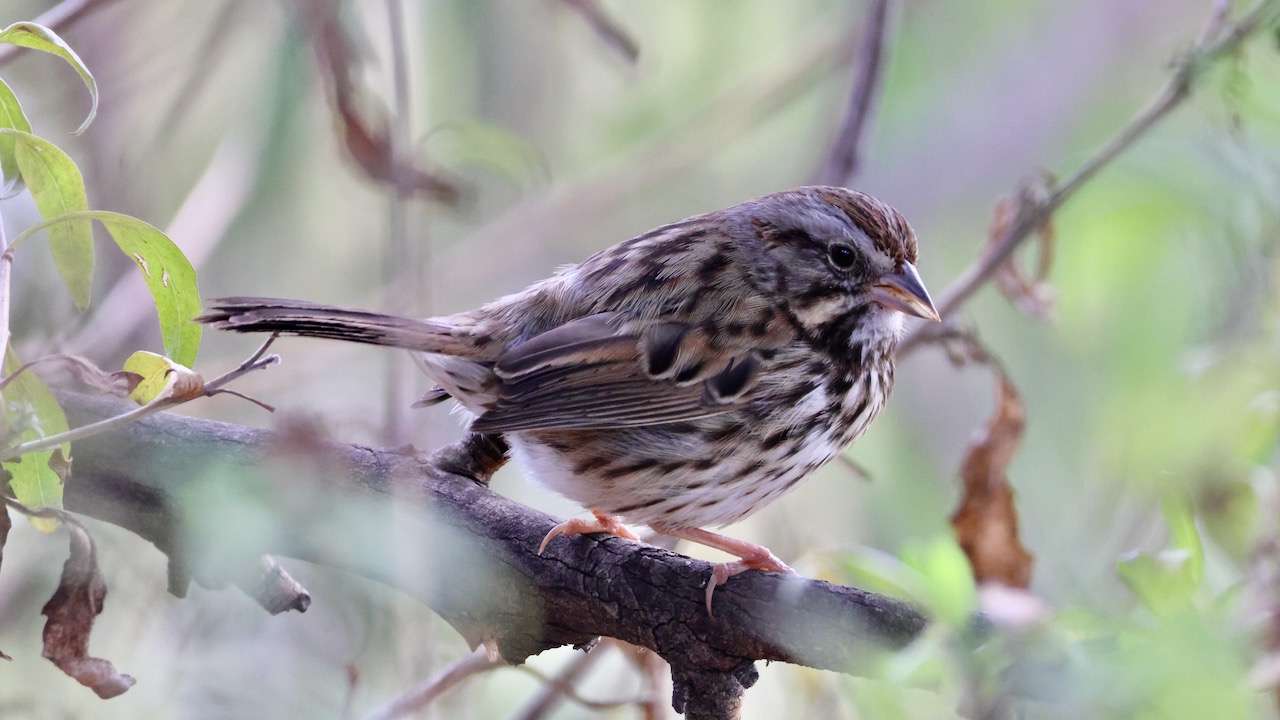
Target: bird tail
{"x": 294, "y": 317}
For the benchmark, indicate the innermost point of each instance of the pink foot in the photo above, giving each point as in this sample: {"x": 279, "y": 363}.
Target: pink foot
{"x": 754, "y": 557}
{"x": 599, "y": 523}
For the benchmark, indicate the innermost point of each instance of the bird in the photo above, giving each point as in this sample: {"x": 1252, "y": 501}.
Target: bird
{"x": 682, "y": 379}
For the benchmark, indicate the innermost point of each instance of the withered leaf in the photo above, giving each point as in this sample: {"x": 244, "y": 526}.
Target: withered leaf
{"x": 275, "y": 589}
{"x": 986, "y": 523}
{"x": 83, "y": 371}
{"x": 71, "y": 612}
{"x": 362, "y": 122}
{"x": 1029, "y": 292}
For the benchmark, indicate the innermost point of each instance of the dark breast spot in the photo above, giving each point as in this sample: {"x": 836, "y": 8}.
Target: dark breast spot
{"x": 639, "y": 506}
{"x": 840, "y": 385}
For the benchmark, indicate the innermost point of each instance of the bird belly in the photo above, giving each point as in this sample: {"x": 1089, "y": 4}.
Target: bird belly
{"x": 712, "y": 471}
{"x": 653, "y": 475}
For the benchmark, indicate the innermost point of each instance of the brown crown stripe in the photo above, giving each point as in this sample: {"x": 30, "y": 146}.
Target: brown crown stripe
{"x": 883, "y": 225}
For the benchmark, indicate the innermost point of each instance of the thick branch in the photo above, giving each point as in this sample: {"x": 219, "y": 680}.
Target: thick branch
{"x": 474, "y": 559}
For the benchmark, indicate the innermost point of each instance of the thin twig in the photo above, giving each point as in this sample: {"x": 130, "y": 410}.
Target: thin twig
{"x": 572, "y": 694}
{"x": 552, "y": 692}
{"x": 845, "y": 158}
{"x": 475, "y": 662}
{"x": 6, "y": 274}
{"x": 47, "y": 513}
{"x": 1032, "y": 216}
{"x": 606, "y": 27}
{"x": 255, "y": 362}
{"x": 399, "y": 275}
{"x": 362, "y": 124}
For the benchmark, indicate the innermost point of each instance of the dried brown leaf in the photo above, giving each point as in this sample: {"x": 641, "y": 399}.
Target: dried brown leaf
{"x": 60, "y": 465}
{"x": 82, "y": 370}
{"x": 986, "y": 523}
{"x": 71, "y": 612}
{"x": 1030, "y": 293}
{"x": 363, "y": 122}
{"x": 275, "y": 590}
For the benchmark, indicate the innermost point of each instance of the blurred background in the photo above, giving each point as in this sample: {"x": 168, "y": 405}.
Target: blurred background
{"x": 1155, "y": 376}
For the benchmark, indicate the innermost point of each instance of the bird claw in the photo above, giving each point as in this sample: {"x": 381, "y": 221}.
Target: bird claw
{"x": 598, "y": 523}
{"x": 761, "y": 560}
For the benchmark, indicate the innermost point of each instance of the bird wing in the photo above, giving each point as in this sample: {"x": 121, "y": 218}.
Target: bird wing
{"x": 609, "y": 371}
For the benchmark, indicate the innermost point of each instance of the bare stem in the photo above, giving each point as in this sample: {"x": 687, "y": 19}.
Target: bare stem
{"x": 257, "y": 361}
{"x": 399, "y": 261}
{"x": 609, "y": 31}
{"x": 567, "y": 690}
{"x": 1213, "y": 44}
{"x": 845, "y": 159}
{"x": 417, "y": 698}
{"x": 552, "y": 692}
{"x": 6, "y": 274}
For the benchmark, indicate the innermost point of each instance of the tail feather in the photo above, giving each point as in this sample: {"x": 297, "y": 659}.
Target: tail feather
{"x": 294, "y": 317}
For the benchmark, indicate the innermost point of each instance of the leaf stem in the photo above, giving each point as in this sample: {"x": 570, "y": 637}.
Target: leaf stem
{"x": 46, "y": 224}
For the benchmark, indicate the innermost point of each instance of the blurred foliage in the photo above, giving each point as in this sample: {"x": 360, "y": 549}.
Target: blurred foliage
{"x": 36, "y": 456}
{"x": 1147, "y": 479}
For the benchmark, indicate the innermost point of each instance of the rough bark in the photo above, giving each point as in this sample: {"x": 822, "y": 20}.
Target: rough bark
{"x": 475, "y": 560}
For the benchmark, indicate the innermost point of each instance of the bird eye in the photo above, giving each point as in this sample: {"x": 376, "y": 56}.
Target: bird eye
{"x": 842, "y": 256}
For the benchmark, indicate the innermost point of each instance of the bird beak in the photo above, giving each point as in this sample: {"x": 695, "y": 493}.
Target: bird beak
{"x": 903, "y": 291}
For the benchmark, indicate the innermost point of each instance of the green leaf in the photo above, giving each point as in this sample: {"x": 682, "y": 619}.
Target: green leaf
{"x": 1163, "y": 581}
{"x": 11, "y": 116}
{"x": 947, "y": 579}
{"x": 169, "y": 276}
{"x": 1166, "y": 581}
{"x": 37, "y": 477}
{"x": 58, "y": 189}
{"x": 1184, "y": 535}
{"x": 165, "y": 269}
{"x": 162, "y": 378}
{"x": 154, "y": 370}
{"x": 39, "y": 37}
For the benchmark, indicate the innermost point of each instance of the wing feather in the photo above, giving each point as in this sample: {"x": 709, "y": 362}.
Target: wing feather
{"x": 594, "y": 373}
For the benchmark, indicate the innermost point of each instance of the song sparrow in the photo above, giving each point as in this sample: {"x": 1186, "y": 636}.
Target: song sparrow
{"x": 681, "y": 379}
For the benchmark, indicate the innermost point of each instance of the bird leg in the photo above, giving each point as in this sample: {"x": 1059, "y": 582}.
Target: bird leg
{"x": 602, "y": 523}
{"x": 753, "y": 557}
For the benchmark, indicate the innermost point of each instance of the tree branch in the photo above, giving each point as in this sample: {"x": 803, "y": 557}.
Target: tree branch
{"x": 476, "y": 562}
